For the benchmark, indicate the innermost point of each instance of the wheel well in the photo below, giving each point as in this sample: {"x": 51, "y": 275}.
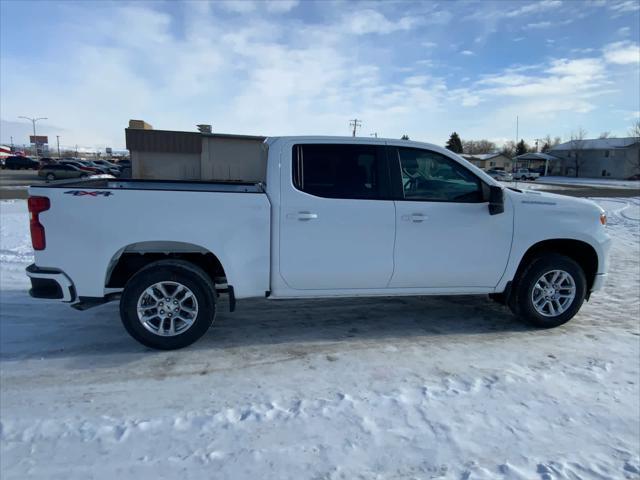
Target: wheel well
{"x": 581, "y": 252}
{"x": 129, "y": 263}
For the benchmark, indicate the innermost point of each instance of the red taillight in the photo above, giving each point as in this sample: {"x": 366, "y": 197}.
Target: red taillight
{"x": 37, "y": 205}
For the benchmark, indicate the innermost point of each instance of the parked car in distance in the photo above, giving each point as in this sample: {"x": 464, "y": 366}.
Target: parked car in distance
{"x": 105, "y": 163}
{"x": 500, "y": 175}
{"x": 61, "y": 171}
{"x": 525, "y": 174}
{"x": 15, "y": 162}
{"x": 102, "y": 168}
{"x": 82, "y": 166}
{"x": 47, "y": 161}
{"x": 337, "y": 217}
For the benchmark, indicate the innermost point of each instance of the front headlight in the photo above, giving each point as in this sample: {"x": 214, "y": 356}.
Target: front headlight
{"x": 603, "y": 218}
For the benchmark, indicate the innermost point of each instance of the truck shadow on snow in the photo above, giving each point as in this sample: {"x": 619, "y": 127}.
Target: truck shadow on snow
{"x": 53, "y": 330}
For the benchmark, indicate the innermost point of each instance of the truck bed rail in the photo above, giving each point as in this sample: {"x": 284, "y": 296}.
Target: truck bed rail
{"x": 169, "y": 185}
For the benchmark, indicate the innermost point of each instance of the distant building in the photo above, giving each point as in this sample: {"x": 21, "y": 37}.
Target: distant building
{"x": 535, "y": 161}
{"x": 617, "y": 158}
{"x": 175, "y": 155}
{"x": 486, "y": 161}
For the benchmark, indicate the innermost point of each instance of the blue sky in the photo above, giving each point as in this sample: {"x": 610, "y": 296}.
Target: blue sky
{"x": 288, "y": 67}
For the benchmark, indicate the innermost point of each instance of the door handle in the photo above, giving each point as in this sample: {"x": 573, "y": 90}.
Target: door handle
{"x": 303, "y": 216}
{"x": 415, "y": 217}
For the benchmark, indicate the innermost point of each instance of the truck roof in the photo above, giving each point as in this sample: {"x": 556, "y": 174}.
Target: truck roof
{"x": 348, "y": 140}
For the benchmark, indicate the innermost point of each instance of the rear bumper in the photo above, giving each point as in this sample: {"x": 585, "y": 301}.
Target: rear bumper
{"x": 50, "y": 283}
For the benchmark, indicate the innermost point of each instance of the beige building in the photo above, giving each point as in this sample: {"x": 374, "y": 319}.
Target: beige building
{"x": 488, "y": 161}
{"x": 175, "y": 155}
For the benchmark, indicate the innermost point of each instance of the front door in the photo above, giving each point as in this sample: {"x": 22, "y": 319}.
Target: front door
{"x": 337, "y": 221}
{"x": 445, "y": 236}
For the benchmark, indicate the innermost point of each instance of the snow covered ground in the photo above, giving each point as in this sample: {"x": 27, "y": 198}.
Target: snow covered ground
{"x": 412, "y": 388}
{"x": 588, "y": 182}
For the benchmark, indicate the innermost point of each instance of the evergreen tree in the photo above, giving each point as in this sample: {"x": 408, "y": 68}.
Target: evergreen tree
{"x": 404, "y": 137}
{"x": 521, "y": 148}
{"x": 454, "y": 143}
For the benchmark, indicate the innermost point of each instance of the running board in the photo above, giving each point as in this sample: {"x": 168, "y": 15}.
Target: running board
{"x": 86, "y": 303}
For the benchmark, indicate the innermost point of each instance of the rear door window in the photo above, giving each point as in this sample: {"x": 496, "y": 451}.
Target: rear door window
{"x": 340, "y": 171}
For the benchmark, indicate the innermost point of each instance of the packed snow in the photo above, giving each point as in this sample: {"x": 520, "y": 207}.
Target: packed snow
{"x": 381, "y": 388}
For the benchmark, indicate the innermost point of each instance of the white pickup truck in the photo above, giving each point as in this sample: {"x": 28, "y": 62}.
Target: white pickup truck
{"x": 525, "y": 174}
{"x": 337, "y": 217}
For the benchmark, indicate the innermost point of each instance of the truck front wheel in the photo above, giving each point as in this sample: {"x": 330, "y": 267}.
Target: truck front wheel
{"x": 168, "y": 304}
{"x": 550, "y": 291}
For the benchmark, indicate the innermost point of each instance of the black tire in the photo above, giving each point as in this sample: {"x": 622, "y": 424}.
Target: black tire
{"x": 50, "y": 177}
{"x": 185, "y": 273}
{"x": 521, "y": 302}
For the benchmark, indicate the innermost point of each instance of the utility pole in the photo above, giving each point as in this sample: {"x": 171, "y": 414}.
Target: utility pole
{"x": 355, "y": 123}
{"x": 76, "y": 151}
{"x": 11, "y": 144}
{"x": 58, "y": 140}
{"x": 35, "y": 139}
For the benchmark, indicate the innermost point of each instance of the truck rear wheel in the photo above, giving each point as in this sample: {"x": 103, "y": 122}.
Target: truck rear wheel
{"x": 550, "y": 291}
{"x": 168, "y": 304}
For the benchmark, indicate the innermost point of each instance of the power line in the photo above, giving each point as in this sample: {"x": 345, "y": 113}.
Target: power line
{"x": 355, "y": 123}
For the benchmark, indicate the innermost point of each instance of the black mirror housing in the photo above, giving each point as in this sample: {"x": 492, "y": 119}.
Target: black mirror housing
{"x": 496, "y": 200}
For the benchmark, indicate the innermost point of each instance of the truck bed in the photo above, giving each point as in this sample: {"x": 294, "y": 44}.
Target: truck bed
{"x": 91, "y": 223}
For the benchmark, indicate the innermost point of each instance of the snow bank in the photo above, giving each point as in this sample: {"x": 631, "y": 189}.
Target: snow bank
{"x": 412, "y": 388}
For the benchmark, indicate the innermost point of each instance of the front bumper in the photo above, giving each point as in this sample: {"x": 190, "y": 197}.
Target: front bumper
{"x": 50, "y": 283}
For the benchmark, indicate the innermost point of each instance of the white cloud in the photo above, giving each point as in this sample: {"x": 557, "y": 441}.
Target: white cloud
{"x": 416, "y": 80}
{"x": 362, "y": 22}
{"x": 622, "y": 53}
{"x": 538, "y": 25}
{"x": 534, "y": 8}
{"x": 623, "y": 31}
{"x": 429, "y": 44}
{"x": 279, "y": 6}
{"x": 624, "y": 6}
{"x": 467, "y": 53}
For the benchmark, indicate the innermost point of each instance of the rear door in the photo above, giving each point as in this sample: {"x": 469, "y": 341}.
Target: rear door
{"x": 337, "y": 220}
{"x": 445, "y": 236}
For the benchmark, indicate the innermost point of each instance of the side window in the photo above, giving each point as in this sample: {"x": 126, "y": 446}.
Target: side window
{"x": 338, "y": 171}
{"x": 430, "y": 176}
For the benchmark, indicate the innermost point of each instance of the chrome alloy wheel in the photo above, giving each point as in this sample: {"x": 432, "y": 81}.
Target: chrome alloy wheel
{"x": 167, "y": 308}
{"x": 553, "y": 293}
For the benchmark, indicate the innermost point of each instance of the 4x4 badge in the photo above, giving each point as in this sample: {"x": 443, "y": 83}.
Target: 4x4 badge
{"x": 82, "y": 193}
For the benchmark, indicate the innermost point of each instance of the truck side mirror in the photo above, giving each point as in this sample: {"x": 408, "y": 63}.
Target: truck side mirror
{"x": 496, "y": 200}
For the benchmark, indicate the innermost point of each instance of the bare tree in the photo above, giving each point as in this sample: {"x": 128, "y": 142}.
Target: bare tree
{"x": 606, "y": 134}
{"x": 473, "y": 147}
{"x": 634, "y": 131}
{"x": 549, "y": 143}
{"x": 577, "y": 145}
{"x": 509, "y": 149}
